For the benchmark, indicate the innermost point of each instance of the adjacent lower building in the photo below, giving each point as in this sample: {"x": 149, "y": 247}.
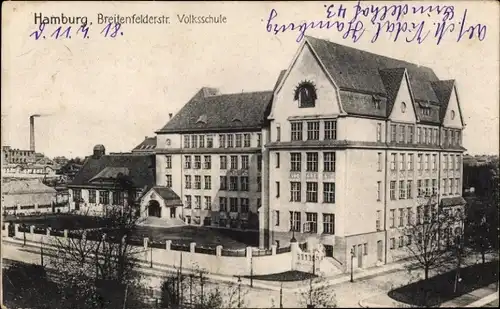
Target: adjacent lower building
{"x": 24, "y": 197}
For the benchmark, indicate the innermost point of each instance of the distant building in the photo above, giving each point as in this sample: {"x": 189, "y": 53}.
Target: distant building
{"x": 147, "y": 146}
{"x": 30, "y": 196}
{"x": 115, "y": 179}
{"x": 17, "y": 156}
{"x": 28, "y": 171}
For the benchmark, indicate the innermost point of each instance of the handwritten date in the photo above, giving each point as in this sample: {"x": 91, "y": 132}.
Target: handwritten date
{"x": 111, "y": 30}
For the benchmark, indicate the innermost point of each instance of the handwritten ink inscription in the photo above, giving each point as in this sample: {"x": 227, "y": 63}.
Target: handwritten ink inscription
{"x": 110, "y": 30}
{"x": 387, "y": 22}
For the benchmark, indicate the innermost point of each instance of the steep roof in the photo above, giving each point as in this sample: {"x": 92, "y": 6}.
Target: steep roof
{"x": 359, "y": 70}
{"x": 219, "y": 112}
{"x": 138, "y": 168}
{"x": 168, "y": 195}
{"x": 148, "y": 144}
{"x": 25, "y": 187}
{"x": 443, "y": 90}
{"x": 391, "y": 78}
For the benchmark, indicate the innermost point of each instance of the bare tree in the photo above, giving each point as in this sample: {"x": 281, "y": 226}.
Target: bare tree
{"x": 427, "y": 233}
{"x": 318, "y": 295}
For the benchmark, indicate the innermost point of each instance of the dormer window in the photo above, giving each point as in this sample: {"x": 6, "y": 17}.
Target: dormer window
{"x": 426, "y": 111}
{"x": 305, "y": 93}
{"x": 202, "y": 119}
{"x": 376, "y": 101}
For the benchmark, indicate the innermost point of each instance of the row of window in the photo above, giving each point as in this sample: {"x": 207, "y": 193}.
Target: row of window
{"x": 446, "y": 233}
{"x": 312, "y": 161}
{"x": 311, "y": 192}
{"x": 313, "y": 128}
{"x": 311, "y": 223}
{"x": 425, "y": 213}
{"x": 242, "y": 207}
{"x": 425, "y": 187}
{"x": 236, "y": 162}
{"x": 406, "y": 162}
{"x": 197, "y": 182}
{"x": 197, "y": 202}
{"x": 405, "y": 134}
{"x": 117, "y": 196}
{"x": 229, "y": 140}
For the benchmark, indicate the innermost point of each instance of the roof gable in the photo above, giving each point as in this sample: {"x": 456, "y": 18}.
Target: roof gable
{"x": 392, "y": 78}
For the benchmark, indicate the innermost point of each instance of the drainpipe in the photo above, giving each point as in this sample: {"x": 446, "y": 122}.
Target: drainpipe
{"x": 386, "y": 170}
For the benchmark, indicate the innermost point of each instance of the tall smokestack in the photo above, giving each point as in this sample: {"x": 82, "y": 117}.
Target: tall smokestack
{"x": 32, "y": 133}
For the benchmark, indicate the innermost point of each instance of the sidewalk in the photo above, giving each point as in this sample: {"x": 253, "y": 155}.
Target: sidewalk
{"x": 161, "y": 270}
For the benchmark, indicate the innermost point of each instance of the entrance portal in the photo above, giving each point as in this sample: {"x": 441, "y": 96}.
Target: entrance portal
{"x": 154, "y": 209}
{"x": 172, "y": 212}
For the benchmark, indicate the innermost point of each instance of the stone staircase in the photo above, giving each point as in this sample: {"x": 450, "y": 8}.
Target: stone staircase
{"x": 161, "y": 222}
{"x": 329, "y": 267}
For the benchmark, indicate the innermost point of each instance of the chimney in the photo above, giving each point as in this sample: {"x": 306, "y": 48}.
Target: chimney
{"x": 170, "y": 116}
{"x": 32, "y": 133}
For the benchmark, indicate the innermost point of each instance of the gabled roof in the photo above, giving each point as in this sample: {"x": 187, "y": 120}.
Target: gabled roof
{"x": 25, "y": 187}
{"x": 147, "y": 145}
{"x": 391, "y": 78}
{"x": 358, "y": 70}
{"x": 220, "y": 111}
{"x": 443, "y": 90}
{"x": 168, "y": 195}
{"x": 140, "y": 167}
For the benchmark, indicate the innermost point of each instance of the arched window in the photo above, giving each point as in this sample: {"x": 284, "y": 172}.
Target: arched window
{"x": 305, "y": 93}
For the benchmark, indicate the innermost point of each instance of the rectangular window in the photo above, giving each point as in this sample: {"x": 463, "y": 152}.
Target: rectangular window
{"x": 427, "y": 187}
{"x": 208, "y": 203}
{"x": 434, "y": 162}
{"x": 410, "y": 134}
{"x": 312, "y": 192}
{"x": 233, "y": 183}
{"x": 233, "y": 204}
{"x": 401, "y": 241}
{"x": 419, "y": 215}
{"x": 259, "y": 163}
{"x": 223, "y": 162}
{"x": 197, "y": 182}
{"x": 445, "y": 162}
{"x": 427, "y": 162}
{"x": 393, "y": 133}
{"x": 409, "y": 189}
{"x": 197, "y": 202}
{"x": 208, "y": 182}
{"x": 259, "y": 184}
{"x": 434, "y": 186}
{"x": 278, "y": 133}
{"x": 207, "y": 162}
{"x": 117, "y": 198}
{"x": 402, "y": 133}
{"x": 459, "y": 162}
{"x": 246, "y": 140}
{"x": 168, "y": 181}
{"x": 379, "y": 190}
{"x": 329, "y": 161}
{"x": 223, "y": 183}
{"x": 378, "y": 220}
{"x": 230, "y": 140}
{"x": 259, "y": 140}
{"x": 296, "y": 131}
{"x": 104, "y": 197}
{"x": 92, "y": 196}
{"x": 223, "y": 203}
{"x": 419, "y": 135}
{"x": 188, "y": 201}
{"x": 238, "y": 140}
{"x": 202, "y": 141}
{"x": 457, "y": 186}
{"x": 379, "y": 162}
{"x": 392, "y": 243}
{"x": 392, "y": 218}
{"x": 408, "y": 216}
{"x": 331, "y": 130}
{"x": 420, "y": 162}
{"x": 452, "y": 159}
{"x": 234, "y": 162}
{"x": 244, "y": 162}
{"x": 313, "y": 130}
{"x": 401, "y": 216}
{"x": 295, "y": 191}
{"x": 244, "y": 205}
{"x": 410, "y": 162}
{"x": 277, "y": 160}
{"x": 379, "y": 132}
{"x": 402, "y": 190}
{"x": 168, "y": 162}
{"x": 187, "y": 180}
{"x": 194, "y": 141}
{"x": 365, "y": 248}
{"x": 445, "y": 186}
{"x": 187, "y": 162}
{"x": 295, "y": 161}
{"x": 393, "y": 161}
{"x": 451, "y": 186}
{"x": 392, "y": 190}
{"x": 210, "y": 141}
{"x": 276, "y": 217}
{"x": 402, "y": 161}
{"x": 187, "y": 142}
{"x": 328, "y": 192}
{"x": 222, "y": 141}
{"x": 277, "y": 189}
{"x": 459, "y": 138}
{"x": 328, "y": 223}
{"x": 312, "y": 161}
{"x": 295, "y": 221}
{"x": 311, "y": 222}
{"x": 197, "y": 162}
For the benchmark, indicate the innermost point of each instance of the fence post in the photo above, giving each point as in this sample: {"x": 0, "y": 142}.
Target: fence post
{"x": 192, "y": 247}
{"x": 273, "y": 249}
{"x": 65, "y": 233}
{"x": 47, "y": 232}
{"x": 16, "y": 230}
{"x": 7, "y": 225}
{"x": 294, "y": 250}
{"x": 146, "y": 240}
{"x": 218, "y": 250}
{"x": 32, "y": 230}
{"x": 168, "y": 244}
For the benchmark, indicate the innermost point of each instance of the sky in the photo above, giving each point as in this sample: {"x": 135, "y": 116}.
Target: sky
{"x": 116, "y": 91}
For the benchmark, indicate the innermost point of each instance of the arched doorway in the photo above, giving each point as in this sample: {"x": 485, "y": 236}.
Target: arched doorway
{"x": 154, "y": 209}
